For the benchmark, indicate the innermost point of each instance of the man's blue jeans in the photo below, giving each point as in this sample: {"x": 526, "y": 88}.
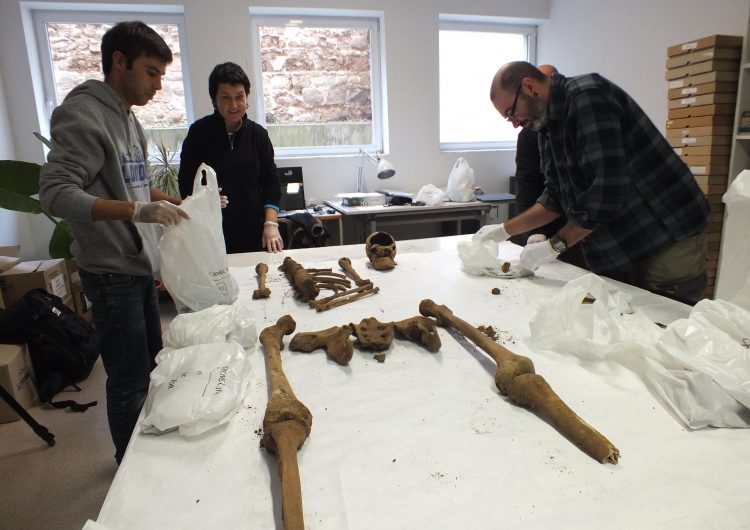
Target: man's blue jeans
{"x": 126, "y": 316}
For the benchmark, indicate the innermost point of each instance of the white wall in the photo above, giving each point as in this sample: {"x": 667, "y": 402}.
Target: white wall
{"x": 625, "y": 41}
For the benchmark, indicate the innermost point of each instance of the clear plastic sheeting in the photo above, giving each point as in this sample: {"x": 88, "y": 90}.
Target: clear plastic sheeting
{"x": 698, "y": 367}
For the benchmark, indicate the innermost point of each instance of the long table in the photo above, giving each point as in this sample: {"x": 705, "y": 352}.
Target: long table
{"x": 368, "y": 219}
{"x": 424, "y": 440}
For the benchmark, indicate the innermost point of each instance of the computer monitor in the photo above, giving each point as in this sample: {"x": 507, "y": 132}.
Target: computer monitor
{"x": 292, "y": 188}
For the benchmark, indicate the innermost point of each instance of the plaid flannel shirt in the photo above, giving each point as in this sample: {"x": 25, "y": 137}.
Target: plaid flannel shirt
{"x": 608, "y": 169}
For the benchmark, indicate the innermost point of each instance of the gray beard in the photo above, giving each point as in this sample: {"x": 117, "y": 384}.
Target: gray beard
{"x": 539, "y": 110}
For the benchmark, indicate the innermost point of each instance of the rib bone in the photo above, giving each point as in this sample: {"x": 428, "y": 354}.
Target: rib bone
{"x": 515, "y": 378}
{"x": 262, "y": 291}
{"x": 286, "y": 424}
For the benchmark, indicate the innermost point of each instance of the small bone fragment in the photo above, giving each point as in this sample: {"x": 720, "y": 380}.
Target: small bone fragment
{"x": 303, "y": 282}
{"x": 380, "y": 357}
{"x": 505, "y": 267}
{"x": 262, "y": 291}
{"x": 515, "y": 378}
{"x": 373, "y": 334}
{"x": 421, "y": 330}
{"x": 351, "y": 296}
{"x": 335, "y": 341}
{"x": 346, "y": 264}
{"x": 495, "y": 290}
{"x": 286, "y": 424}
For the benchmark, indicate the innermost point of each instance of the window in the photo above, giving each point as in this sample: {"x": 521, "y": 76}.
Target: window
{"x": 317, "y": 81}
{"x": 471, "y": 52}
{"x": 68, "y": 44}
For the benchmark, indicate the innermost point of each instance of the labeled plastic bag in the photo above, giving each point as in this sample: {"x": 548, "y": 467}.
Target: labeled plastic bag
{"x": 219, "y": 323}
{"x": 735, "y": 249}
{"x": 430, "y": 195}
{"x": 696, "y": 367}
{"x": 461, "y": 182}
{"x": 195, "y": 389}
{"x": 193, "y": 254}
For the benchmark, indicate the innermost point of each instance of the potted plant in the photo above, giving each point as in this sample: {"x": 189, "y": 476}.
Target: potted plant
{"x": 164, "y": 171}
{"x": 19, "y": 188}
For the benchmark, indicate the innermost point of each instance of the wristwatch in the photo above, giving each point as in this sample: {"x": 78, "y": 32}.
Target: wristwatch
{"x": 558, "y": 244}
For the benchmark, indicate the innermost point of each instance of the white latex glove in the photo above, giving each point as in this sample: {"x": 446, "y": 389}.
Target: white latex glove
{"x": 224, "y": 200}
{"x": 536, "y": 238}
{"x": 494, "y": 232}
{"x": 161, "y": 212}
{"x": 533, "y": 255}
{"x": 271, "y": 237}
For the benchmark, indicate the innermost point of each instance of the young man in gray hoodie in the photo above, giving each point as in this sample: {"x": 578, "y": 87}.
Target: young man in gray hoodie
{"x": 96, "y": 178}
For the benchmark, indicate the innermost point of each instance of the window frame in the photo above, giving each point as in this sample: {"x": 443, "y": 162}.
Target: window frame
{"x": 487, "y": 25}
{"x": 374, "y": 21}
{"x": 38, "y": 15}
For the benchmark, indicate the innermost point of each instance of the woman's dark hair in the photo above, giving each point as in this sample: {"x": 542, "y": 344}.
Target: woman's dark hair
{"x": 133, "y": 39}
{"x": 229, "y": 73}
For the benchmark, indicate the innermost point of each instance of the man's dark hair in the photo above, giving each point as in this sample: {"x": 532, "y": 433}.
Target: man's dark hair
{"x": 133, "y": 39}
{"x": 229, "y": 73}
{"x": 511, "y": 76}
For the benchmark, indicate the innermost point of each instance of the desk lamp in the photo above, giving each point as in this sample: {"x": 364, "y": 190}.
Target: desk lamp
{"x": 385, "y": 169}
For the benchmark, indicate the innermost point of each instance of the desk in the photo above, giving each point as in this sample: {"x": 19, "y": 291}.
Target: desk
{"x": 368, "y": 219}
{"x": 424, "y": 440}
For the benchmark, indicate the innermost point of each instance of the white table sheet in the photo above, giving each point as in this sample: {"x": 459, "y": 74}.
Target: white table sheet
{"x": 424, "y": 440}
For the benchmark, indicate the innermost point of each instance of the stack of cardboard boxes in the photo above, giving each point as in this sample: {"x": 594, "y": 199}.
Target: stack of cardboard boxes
{"x": 57, "y": 276}
{"x": 702, "y": 76}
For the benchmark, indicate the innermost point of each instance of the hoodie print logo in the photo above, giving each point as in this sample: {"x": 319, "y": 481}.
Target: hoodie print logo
{"x": 134, "y": 171}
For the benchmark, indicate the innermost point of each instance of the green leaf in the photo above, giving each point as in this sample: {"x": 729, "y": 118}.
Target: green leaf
{"x": 59, "y": 243}
{"x": 44, "y": 140}
{"x": 19, "y": 203}
{"x": 19, "y": 177}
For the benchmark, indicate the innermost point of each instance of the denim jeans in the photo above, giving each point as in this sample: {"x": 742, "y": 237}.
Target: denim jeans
{"x": 126, "y": 316}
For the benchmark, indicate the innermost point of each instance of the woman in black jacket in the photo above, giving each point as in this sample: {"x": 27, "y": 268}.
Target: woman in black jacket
{"x": 241, "y": 153}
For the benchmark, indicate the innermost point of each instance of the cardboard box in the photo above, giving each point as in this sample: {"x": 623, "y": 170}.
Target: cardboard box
{"x": 713, "y": 169}
{"x": 718, "y": 130}
{"x": 711, "y": 41}
{"x": 701, "y": 121}
{"x": 723, "y": 109}
{"x": 81, "y": 303}
{"x": 702, "y": 68}
{"x": 709, "y": 189}
{"x": 698, "y": 56}
{"x": 8, "y": 259}
{"x": 694, "y": 160}
{"x": 700, "y": 140}
{"x": 721, "y": 87}
{"x": 49, "y": 275}
{"x": 703, "y": 99}
{"x": 17, "y": 377}
{"x": 703, "y": 150}
{"x": 708, "y": 77}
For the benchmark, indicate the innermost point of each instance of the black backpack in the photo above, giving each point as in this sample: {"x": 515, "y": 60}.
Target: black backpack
{"x": 62, "y": 345}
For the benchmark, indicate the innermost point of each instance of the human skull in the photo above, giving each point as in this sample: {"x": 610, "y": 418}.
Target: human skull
{"x": 381, "y": 250}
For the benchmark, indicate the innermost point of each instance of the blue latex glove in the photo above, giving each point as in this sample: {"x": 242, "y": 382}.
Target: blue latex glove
{"x": 535, "y": 254}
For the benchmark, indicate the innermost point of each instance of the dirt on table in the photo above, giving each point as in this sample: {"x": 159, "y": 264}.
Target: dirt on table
{"x": 489, "y": 331}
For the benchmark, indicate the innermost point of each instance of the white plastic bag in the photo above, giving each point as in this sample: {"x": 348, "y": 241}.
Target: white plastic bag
{"x": 461, "y": 182}
{"x": 735, "y": 249}
{"x": 686, "y": 366}
{"x": 195, "y": 389}
{"x": 193, "y": 254}
{"x": 430, "y": 195}
{"x": 219, "y": 323}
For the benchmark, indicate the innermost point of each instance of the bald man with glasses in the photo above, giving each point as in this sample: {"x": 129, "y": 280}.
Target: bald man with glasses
{"x": 627, "y": 199}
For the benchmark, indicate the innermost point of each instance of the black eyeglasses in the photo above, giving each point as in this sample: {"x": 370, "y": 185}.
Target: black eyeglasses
{"x": 512, "y": 111}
